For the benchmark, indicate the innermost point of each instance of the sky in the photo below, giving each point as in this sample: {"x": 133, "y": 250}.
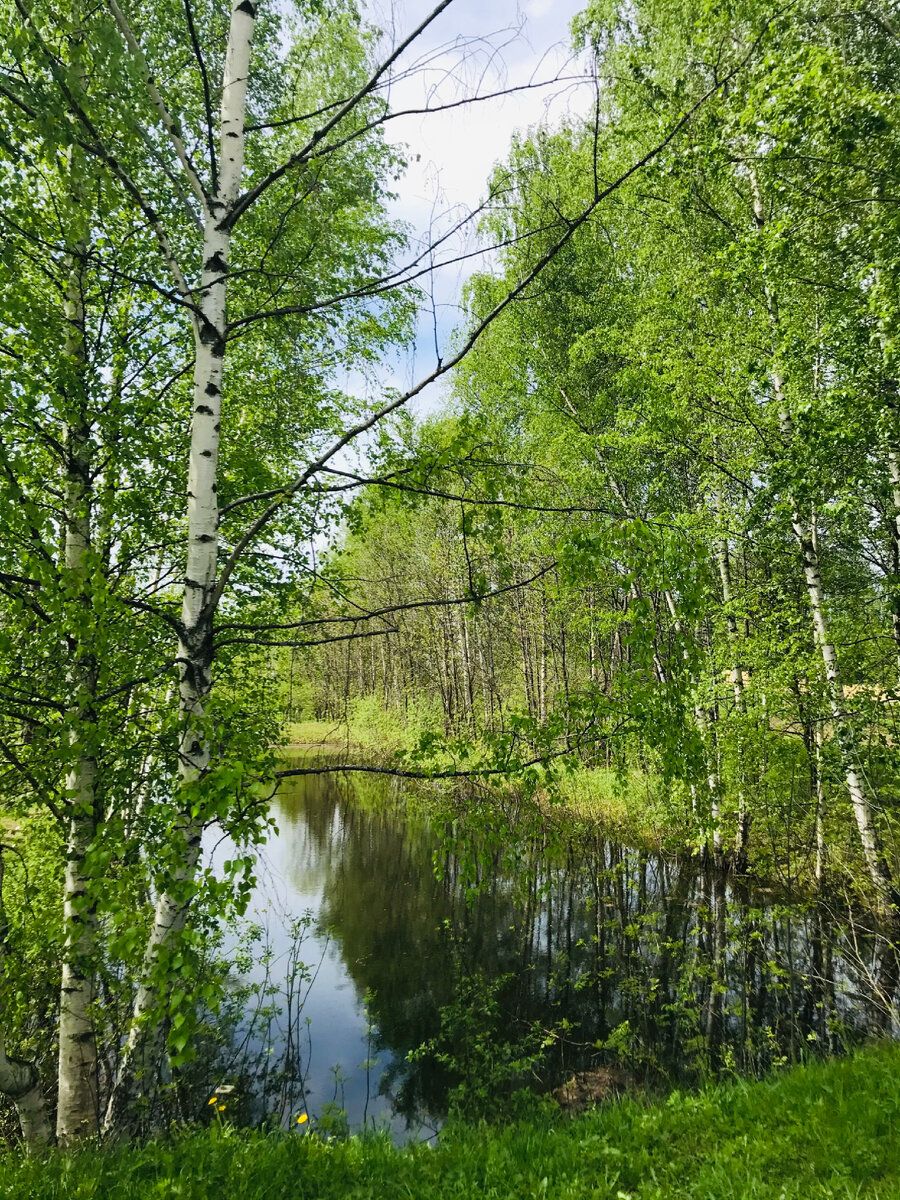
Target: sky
{"x": 474, "y": 47}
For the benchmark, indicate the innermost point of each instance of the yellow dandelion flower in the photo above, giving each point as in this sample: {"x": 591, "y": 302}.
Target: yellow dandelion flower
{"x": 302, "y": 1118}
{"x": 221, "y": 1108}
{"x": 213, "y": 1100}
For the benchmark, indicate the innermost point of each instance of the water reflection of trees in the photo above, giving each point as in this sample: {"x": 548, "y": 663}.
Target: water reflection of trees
{"x": 657, "y": 965}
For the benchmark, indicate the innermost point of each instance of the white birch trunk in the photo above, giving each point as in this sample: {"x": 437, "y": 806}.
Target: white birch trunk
{"x": 144, "y": 1051}
{"x": 592, "y": 641}
{"x": 821, "y": 847}
{"x": 742, "y": 835}
{"x": 483, "y": 676}
{"x": 542, "y": 676}
{"x": 470, "y": 673}
{"x": 19, "y": 1081}
{"x": 77, "y": 1113}
{"x": 894, "y": 469}
{"x": 879, "y": 874}
{"x": 877, "y": 869}
{"x": 77, "y": 1108}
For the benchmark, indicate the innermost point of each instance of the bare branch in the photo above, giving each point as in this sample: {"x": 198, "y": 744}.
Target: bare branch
{"x": 442, "y": 368}
{"x": 169, "y": 123}
{"x": 285, "y": 644}
{"x": 488, "y": 502}
{"x": 244, "y": 202}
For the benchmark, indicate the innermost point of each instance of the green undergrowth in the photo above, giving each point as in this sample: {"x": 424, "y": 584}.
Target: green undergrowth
{"x": 305, "y": 734}
{"x": 632, "y": 805}
{"x": 823, "y": 1130}
{"x": 368, "y": 726}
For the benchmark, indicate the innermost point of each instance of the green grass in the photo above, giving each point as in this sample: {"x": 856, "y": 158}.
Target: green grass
{"x": 825, "y": 1130}
{"x": 368, "y": 727}
{"x": 317, "y": 733}
{"x": 633, "y": 807}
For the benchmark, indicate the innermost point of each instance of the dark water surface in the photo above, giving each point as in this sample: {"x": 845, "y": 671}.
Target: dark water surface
{"x": 571, "y": 953}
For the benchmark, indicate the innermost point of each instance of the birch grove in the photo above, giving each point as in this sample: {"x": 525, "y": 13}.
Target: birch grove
{"x": 725, "y": 349}
{"x": 653, "y": 535}
{"x": 198, "y": 247}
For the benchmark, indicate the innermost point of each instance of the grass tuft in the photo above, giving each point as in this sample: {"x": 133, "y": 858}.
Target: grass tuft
{"x": 825, "y": 1131}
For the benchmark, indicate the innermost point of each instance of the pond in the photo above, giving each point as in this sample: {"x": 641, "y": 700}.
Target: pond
{"x": 393, "y": 964}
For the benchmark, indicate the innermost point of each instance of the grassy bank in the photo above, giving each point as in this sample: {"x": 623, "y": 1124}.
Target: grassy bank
{"x": 632, "y": 807}
{"x": 824, "y": 1130}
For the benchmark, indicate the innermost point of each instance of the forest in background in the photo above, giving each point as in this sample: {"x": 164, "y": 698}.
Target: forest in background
{"x": 656, "y": 529}
{"x": 659, "y": 522}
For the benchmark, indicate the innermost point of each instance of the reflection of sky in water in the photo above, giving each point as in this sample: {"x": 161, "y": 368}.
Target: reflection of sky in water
{"x": 292, "y": 871}
{"x": 605, "y": 936}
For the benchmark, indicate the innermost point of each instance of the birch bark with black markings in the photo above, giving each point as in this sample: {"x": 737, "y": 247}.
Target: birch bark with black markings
{"x": 145, "y": 1047}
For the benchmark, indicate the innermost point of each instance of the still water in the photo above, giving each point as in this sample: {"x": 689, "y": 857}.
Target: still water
{"x": 517, "y": 960}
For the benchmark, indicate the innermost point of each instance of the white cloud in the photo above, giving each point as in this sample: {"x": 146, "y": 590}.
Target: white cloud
{"x": 472, "y": 48}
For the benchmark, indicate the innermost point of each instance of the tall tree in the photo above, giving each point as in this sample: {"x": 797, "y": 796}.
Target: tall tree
{"x": 199, "y": 245}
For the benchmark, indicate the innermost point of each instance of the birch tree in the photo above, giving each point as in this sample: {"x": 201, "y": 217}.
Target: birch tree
{"x": 222, "y": 255}
{"x": 130, "y": 157}
{"x": 715, "y": 359}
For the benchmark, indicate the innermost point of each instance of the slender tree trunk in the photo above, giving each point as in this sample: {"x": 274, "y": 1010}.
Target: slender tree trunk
{"x": 77, "y": 1112}
{"x": 742, "y": 836}
{"x": 145, "y": 1047}
{"x": 542, "y": 676}
{"x": 714, "y": 835}
{"x": 447, "y": 659}
{"x": 19, "y": 1080}
{"x": 486, "y": 701}
{"x": 718, "y": 945}
{"x": 564, "y": 658}
{"x": 468, "y": 689}
{"x": 878, "y": 871}
{"x": 894, "y": 469}
{"x": 527, "y": 678}
{"x": 819, "y": 791}
{"x": 592, "y": 641}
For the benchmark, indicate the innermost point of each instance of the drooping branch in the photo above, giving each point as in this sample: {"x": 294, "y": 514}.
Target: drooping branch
{"x": 380, "y": 613}
{"x": 478, "y": 501}
{"x": 485, "y": 772}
